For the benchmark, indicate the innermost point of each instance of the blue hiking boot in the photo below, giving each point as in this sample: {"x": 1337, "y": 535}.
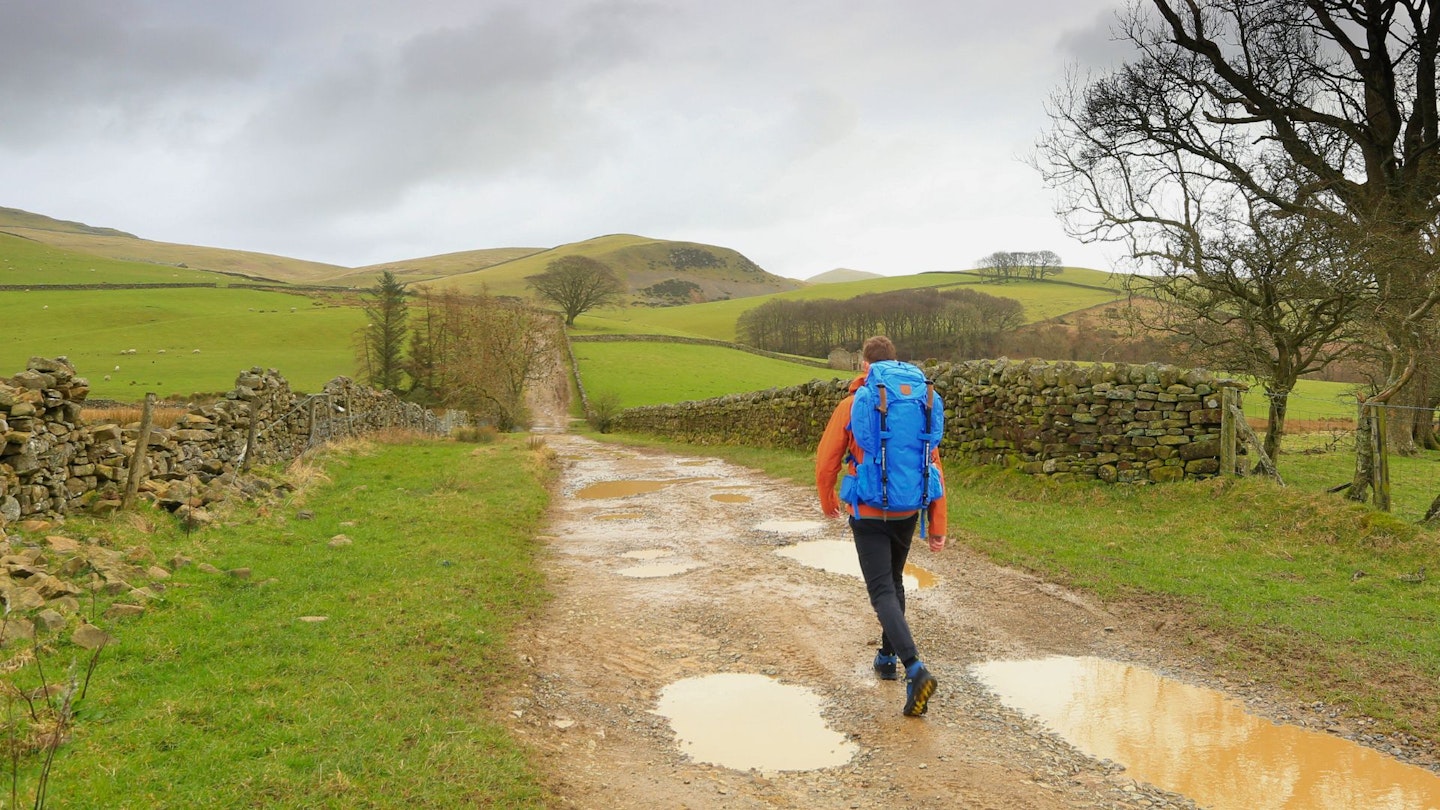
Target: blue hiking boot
{"x": 887, "y": 666}
{"x": 919, "y": 686}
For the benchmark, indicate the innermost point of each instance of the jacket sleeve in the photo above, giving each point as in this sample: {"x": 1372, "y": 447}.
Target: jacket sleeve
{"x": 937, "y": 516}
{"x": 830, "y": 455}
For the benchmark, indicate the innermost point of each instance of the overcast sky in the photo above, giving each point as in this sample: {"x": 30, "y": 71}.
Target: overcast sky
{"x": 807, "y": 134}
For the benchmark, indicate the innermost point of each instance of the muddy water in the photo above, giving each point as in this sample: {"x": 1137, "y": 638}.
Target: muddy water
{"x": 745, "y": 721}
{"x": 838, "y": 557}
{"x": 729, "y": 498}
{"x": 624, "y": 489}
{"x": 1203, "y": 744}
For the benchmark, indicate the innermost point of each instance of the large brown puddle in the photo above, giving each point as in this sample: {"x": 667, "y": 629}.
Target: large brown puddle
{"x": 838, "y": 557}
{"x": 745, "y": 721}
{"x": 624, "y": 489}
{"x": 1202, "y": 743}
{"x": 725, "y": 497}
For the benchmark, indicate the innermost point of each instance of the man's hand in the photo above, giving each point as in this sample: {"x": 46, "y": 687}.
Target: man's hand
{"x": 832, "y": 512}
{"x": 937, "y": 542}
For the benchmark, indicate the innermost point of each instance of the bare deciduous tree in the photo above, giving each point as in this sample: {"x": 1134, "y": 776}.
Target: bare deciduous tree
{"x": 1269, "y": 298}
{"x": 1317, "y": 110}
{"x": 478, "y": 353}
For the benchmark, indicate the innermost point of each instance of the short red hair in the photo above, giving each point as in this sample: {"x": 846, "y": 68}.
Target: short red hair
{"x": 878, "y": 348}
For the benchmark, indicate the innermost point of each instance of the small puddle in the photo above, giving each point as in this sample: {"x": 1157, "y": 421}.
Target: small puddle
{"x": 622, "y": 516}
{"x": 838, "y": 557}
{"x": 653, "y": 570}
{"x": 648, "y": 554}
{"x": 1202, "y": 743}
{"x": 698, "y": 462}
{"x": 742, "y": 721}
{"x": 726, "y": 498}
{"x": 790, "y": 526}
{"x": 624, "y": 489}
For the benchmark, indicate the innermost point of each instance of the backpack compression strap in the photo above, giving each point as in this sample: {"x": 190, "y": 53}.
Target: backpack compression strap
{"x": 925, "y": 459}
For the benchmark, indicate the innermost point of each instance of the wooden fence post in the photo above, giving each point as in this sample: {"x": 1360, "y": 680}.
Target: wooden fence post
{"x": 1229, "y": 402}
{"x": 137, "y": 460}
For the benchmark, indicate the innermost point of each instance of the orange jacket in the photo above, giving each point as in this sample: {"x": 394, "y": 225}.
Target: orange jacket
{"x": 830, "y": 458}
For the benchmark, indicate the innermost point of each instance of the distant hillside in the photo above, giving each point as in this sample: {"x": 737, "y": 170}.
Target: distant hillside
{"x": 841, "y": 275}
{"x": 114, "y": 244}
{"x": 654, "y": 270}
{"x": 433, "y": 267}
{"x": 15, "y": 218}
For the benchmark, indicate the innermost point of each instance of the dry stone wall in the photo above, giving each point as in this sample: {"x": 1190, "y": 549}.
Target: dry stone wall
{"x": 52, "y": 462}
{"x": 1117, "y": 423}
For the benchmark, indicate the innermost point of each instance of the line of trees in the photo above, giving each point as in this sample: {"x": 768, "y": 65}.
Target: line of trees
{"x": 1013, "y": 265}
{"x": 926, "y": 322}
{"x": 475, "y": 353}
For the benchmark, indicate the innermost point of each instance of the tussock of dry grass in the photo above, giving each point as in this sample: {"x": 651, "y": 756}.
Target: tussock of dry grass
{"x": 131, "y": 414}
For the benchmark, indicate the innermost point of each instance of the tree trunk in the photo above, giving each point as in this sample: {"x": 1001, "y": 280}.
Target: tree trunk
{"x": 1364, "y": 458}
{"x": 1279, "y": 398}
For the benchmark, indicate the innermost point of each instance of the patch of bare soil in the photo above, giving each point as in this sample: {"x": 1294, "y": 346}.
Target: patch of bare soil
{"x": 609, "y": 643}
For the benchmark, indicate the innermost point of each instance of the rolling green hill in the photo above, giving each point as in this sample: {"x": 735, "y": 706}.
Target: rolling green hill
{"x": 189, "y": 340}
{"x": 1076, "y": 288}
{"x": 719, "y": 273}
{"x": 114, "y": 244}
{"x": 26, "y": 261}
{"x": 432, "y": 267}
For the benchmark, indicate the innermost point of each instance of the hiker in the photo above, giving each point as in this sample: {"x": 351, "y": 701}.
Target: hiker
{"x": 887, "y": 396}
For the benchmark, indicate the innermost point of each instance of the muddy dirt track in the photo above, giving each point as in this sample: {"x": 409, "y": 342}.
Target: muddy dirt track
{"x": 726, "y": 602}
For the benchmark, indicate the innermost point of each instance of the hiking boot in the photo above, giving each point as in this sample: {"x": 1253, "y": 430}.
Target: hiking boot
{"x": 919, "y": 686}
{"x": 887, "y": 666}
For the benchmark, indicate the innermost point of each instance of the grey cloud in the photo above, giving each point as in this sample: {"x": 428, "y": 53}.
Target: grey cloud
{"x": 1096, "y": 46}
{"x": 110, "y": 65}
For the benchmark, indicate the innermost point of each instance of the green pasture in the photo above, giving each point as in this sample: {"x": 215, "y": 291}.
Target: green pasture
{"x": 644, "y": 373}
{"x": 232, "y": 329}
{"x": 364, "y": 675}
{"x": 25, "y": 261}
{"x": 716, "y": 319}
{"x": 1311, "y": 401}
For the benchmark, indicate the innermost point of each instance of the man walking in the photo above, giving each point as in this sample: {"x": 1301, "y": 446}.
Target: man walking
{"x": 882, "y": 533}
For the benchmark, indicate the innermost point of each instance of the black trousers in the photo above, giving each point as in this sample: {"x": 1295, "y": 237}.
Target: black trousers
{"x": 883, "y": 546}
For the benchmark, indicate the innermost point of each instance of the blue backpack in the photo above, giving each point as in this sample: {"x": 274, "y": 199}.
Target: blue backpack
{"x": 897, "y": 419}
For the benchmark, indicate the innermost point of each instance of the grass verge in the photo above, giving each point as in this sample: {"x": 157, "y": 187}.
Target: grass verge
{"x": 231, "y": 692}
{"x": 1262, "y": 577}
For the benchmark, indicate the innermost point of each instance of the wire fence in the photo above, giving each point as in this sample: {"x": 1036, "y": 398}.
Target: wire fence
{"x": 1318, "y": 451}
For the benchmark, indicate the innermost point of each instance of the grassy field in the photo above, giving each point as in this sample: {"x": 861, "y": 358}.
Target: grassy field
{"x": 233, "y": 329}
{"x": 222, "y": 695}
{"x": 716, "y": 319}
{"x": 644, "y": 373}
{"x": 1312, "y": 401}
